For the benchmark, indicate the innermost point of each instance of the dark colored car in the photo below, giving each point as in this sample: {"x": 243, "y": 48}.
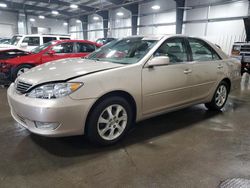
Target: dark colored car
{"x": 245, "y": 65}
{"x": 241, "y": 51}
{"x": 54, "y": 50}
{"x": 104, "y": 41}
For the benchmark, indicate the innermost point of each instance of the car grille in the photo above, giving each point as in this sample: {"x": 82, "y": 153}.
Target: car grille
{"x": 22, "y": 87}
{"x": 245, "y": 48}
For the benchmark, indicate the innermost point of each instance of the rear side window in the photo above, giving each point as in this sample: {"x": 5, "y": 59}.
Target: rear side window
{"x": 84, "y": 47}
{"x": 201, "y": 51}
{"x": 48, "y": 39}
{"x": 64, "y": 38}
{"x": 64, "y": 48}
{"x": 32, "y": 41}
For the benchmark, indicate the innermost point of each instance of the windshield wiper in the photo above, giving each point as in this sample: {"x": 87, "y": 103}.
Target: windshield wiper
{"x": 94, "y": 59}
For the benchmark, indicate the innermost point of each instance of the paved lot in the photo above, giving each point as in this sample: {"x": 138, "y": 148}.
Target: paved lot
{"x": 188, "y": 148}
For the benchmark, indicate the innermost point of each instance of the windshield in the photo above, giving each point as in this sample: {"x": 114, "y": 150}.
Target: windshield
{"x": 42, "y": 47}
{"x": 14, "y": 40}
{"x": 124, "y": 51}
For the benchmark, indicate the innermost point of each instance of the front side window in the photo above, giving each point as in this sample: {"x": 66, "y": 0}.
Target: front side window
{"x": 42, "y": 47}
{"x": 201, "y": 51}
{"x": 125, "y": 51}
{"x": 175, "y": 49}
{"x": 64, "y": 48}
{"x": 84, "y": 47}
{"x": 15, "y": 39}
{"x": 32, "y": 41}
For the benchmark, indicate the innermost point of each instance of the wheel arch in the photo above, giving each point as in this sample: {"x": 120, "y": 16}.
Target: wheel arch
{"x": 228, "y": 81}
{"x": 14, "y": 69}
{"x": 127, "y": 96}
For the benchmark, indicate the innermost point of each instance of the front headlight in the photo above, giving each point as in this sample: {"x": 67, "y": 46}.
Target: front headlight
{"x": 54, "y": 90}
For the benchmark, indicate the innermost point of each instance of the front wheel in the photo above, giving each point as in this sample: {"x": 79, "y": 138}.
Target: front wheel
{"x": 19, "y": 70}
{"x": 220, "y": 97}
{"x": 109, "y": 121}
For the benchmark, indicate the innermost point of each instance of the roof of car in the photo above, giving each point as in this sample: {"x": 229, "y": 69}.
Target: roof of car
{"x": 69, "y": 40}
{"x": 38, "y": 35}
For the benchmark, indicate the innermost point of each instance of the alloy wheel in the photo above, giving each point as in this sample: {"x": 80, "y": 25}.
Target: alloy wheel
{"x": 21, "y": 71}
{"x": 112, "y": 122}
{"x": 221, "y": 95}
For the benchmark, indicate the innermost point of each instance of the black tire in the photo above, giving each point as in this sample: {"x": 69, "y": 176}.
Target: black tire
{"x": 213, "y": 105}
{"x": 93, "y": 125}
{"x": 18, "y": 68}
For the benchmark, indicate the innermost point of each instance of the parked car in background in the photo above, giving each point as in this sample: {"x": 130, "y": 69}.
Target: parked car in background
{"x": 29, "y": 42}
{"x": 241, "y": 51}
{"x": 124, "y": 81}
{"x": 54, "y": 50}
{"x": 4, "y": 41}
{"x": 104, "y": 41}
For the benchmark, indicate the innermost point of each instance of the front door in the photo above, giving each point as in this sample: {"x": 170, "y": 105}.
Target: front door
{"x": 167, "y": 86}
{"x": 60, "y": 51}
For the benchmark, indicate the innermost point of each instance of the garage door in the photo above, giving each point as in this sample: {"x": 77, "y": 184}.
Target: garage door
{"x": 6, "y": 30}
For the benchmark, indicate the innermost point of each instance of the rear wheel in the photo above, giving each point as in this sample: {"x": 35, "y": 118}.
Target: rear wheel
{"x": 220, "y": 97}
{"x": 109, "y": 121}
{"x": 19, "y": 70}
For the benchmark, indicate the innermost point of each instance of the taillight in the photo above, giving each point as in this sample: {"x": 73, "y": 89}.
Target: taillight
{"x": 236, "y": 50}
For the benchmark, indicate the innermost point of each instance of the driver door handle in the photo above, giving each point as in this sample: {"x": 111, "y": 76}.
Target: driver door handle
{"x": 187, "y": 71}
{"x": 220, "y": 66}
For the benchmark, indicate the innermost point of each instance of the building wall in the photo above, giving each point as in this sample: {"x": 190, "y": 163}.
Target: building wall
{"x": 55, "y": 26}
{"x": 12, "y": 23}
{"x": 160, "y": 21}
{"x": 120, "y": 26}
{"x": 8, "y": 23}
{"x": 95, "y": 27}
{"x": 217, "y": 21}
{"x": 75, "y": 29}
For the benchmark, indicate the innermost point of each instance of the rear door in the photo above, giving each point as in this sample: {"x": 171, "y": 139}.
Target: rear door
{"x": 83, "y": 49}
{"x": 61, "y": 51}
{"x": 207, "y": 67}
{"x": 48, "y": 39}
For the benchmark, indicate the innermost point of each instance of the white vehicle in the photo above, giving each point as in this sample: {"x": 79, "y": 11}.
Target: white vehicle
{"x": 29, "y": 42}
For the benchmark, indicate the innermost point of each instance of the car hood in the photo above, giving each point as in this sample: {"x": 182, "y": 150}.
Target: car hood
{"x": 22, "y": 57}
{"x": 7, "y": 46}
{"x": 65, "y": 69}
{"x": 10, "y": 55}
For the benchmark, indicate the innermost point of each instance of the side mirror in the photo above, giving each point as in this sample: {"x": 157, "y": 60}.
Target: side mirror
{"x": 24, "y": 45}
{"x": 158, "y": 61}
{"x": 51, "y": 52}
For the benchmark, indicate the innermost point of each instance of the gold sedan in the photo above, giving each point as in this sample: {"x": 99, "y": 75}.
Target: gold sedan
{"x": 123, "y": 82}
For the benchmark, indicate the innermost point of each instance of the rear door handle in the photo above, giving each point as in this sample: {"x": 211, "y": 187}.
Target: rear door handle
{"x": 187, "y": 71}
{"x": 220, "y": 66}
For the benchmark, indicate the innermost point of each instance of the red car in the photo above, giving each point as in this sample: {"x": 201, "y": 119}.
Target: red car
{"x": 12, "y": 68}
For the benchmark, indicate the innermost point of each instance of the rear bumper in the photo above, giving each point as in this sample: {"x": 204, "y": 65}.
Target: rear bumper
{"x": 235, "y": 84}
